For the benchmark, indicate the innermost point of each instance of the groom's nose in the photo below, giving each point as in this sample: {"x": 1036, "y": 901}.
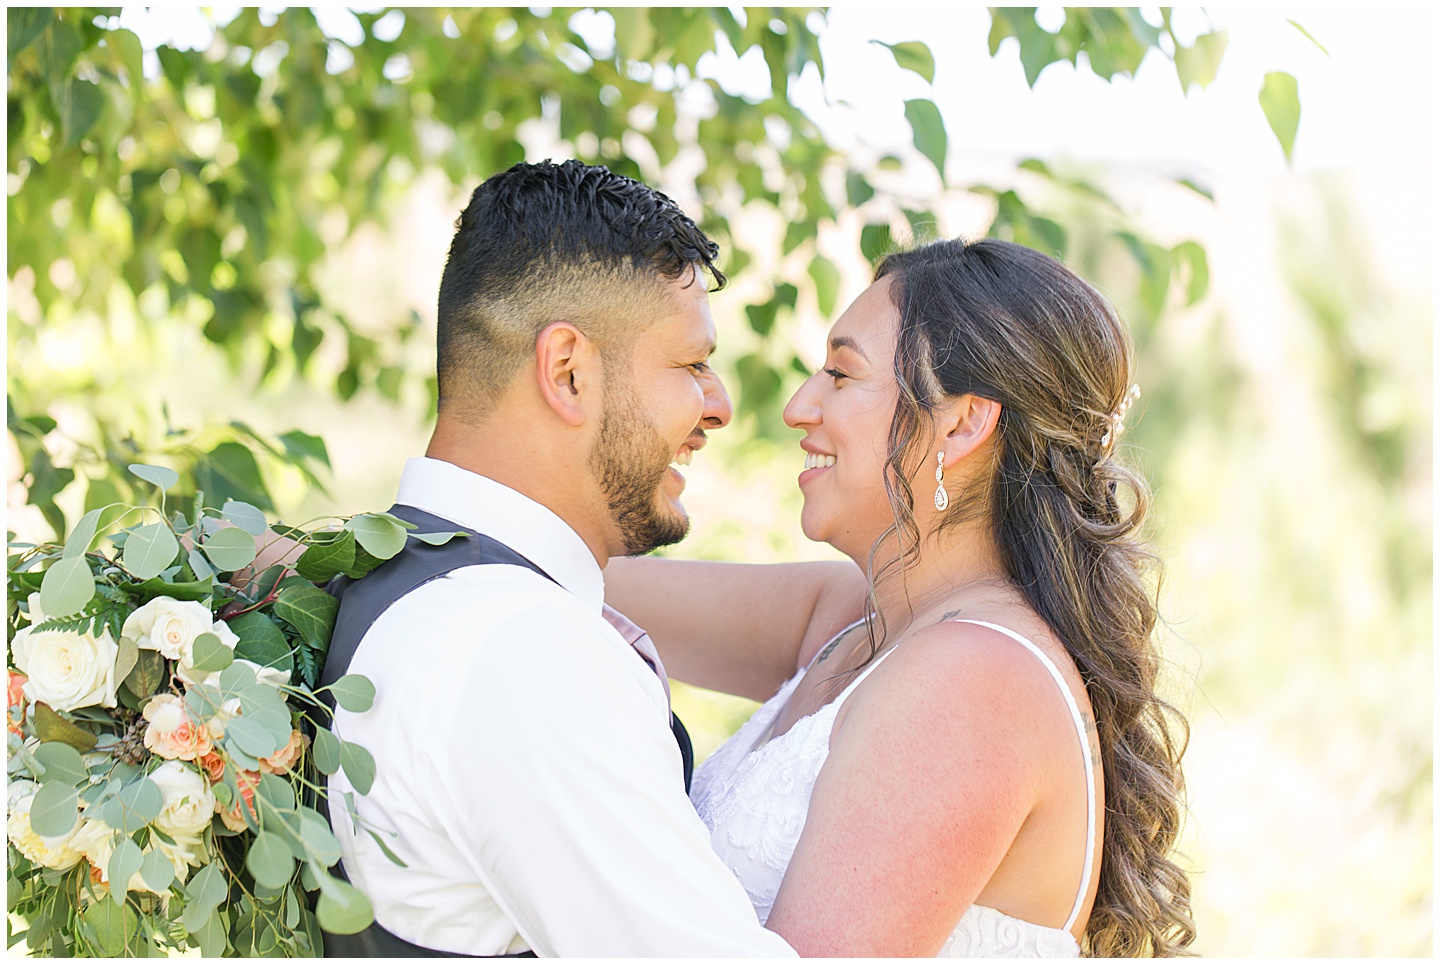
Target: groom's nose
{"x": 718, "y": 410}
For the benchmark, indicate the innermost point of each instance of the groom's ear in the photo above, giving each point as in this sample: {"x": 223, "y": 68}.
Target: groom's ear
{"x": 567, "y": 366}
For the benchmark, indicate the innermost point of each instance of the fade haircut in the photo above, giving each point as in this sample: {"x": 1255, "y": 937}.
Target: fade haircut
{"x": 544, "y": 243}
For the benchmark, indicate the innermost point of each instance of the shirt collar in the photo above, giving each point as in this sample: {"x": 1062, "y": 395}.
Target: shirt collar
{"x": 530, "y": 529}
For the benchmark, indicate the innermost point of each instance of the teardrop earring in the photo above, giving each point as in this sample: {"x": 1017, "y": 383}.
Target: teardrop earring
{"x": 942, "y": 498}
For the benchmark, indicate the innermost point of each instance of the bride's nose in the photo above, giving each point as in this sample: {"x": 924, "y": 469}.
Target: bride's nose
{"x": 803, "y": 409}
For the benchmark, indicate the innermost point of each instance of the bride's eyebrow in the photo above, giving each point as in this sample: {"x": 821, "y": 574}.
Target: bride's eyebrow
{"x": 838, "y": 342}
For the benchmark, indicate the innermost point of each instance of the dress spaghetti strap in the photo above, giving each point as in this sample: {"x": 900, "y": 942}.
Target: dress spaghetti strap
{"x": 1084, "y": 750}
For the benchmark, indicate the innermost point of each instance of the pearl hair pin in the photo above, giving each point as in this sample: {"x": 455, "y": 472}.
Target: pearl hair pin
{"x": 1117, "y": 419}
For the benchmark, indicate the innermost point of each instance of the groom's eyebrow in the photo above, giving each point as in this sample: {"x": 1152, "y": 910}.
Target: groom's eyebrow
{"x": 838, "y": 342}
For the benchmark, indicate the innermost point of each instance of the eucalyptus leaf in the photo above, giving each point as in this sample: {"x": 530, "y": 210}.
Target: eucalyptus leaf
{"x": 381, "y": 536}
{"x": 359, "y": 766}
{"x": 126, "y": 656}
{"x": 914, "y": 56}
{"x": 319, "y": 839}
{"x": 385, "y": 849}
{"x": 149, "y": 550}
{"x": 326, "y": 751}
{"x": 354, "y": 692}
{"x": 210, "y": 654}
{"x": 83, "y": 534}
{"x": 157, "y": 871}
{"x": 230, "y": 549}
{"x": 137, "y": 804}
{"x": 437, "y": 539}
{"x": 245, "y": 516}
{"x": 62, "y": 763}
{"x": 199, "y": 565}
{"x": 207, "y": 889}
{"x": 68, "y": 586}
{"x": 115, "y": 926}
{"x": 54, "y": 810}
{"x": 251, "y": 736}
{"x": 342, "y": 909}
{"x": 124, "y": 862}
{"x": 157, "y": 475}
{"x": 270, "y": 860}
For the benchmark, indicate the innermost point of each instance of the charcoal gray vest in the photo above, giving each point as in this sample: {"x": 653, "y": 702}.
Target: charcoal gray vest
{"x": 361, "y": 604}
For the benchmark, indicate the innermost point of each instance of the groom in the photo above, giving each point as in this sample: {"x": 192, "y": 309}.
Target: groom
{"x": 527, "y": 772}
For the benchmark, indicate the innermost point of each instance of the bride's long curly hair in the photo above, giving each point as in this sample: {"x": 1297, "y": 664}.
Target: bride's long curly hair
{"x": 1006, "y": 323}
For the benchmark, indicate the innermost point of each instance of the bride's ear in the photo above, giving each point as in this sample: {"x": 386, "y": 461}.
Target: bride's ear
{"x": 966, "y": 424}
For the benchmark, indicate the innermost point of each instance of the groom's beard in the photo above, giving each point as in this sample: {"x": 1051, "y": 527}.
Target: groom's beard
{"x": 630, "y": 462}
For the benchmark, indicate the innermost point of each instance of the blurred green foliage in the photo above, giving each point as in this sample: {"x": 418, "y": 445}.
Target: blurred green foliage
{"x": 208, "y": 194}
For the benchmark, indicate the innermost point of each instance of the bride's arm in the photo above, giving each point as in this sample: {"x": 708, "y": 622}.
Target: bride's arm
{"x": 740, "y": 628}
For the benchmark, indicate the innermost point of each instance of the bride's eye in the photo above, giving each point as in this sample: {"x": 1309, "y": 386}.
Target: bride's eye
{"x": 835, "y": 374}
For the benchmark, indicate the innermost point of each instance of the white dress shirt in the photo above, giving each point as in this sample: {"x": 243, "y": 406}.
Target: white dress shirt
{"x": 525, "y": 768}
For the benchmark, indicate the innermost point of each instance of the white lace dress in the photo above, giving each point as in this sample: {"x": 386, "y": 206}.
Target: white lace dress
{"x": 754, "y": 801}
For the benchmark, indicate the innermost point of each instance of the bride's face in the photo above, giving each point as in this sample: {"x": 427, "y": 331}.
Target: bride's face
{"x": 845, "y": 410}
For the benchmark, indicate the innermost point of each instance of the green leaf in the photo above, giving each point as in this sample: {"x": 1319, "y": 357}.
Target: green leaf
{"x": 83, "y": 103}
{"x": 261, "y": 641}
{"x": 1198, "y": 63}
{"x": 309, "y": 610}
{"x": 50, "y": 726}
{"x": 126, "y": 656}
{"x": 1193, "y": 257}
{"x": 437, "y": 539}
{"x": 62, "y": 763}
{"x": 302, "y": 445}
{"x": 326, "y": 751}
{"x": 359, "y": 766}
{"x": 147, "y": 674}
{"x": 67, "y": 587}
{"x": 385, "y": 848}
{"x": 827, "y": 283}
{"x": 354, "y": 692}
{"x": 157, "y": 475}
{"x": 125, "y": 860}
{"x": 251, "y": 736}
{"x": 157, "y": 871}
{"x": 230, "y": 549}
{"x": 83, "y": 534}
{"x": 138, "y": 803}
{"x": 270, "y": 860}
{"x": 1280, "y": 100}
{"x": 323, "y": 560}
{"x": 342, "y": 909}
{"x": 319, "y": 839}
{"x": 381, "y": 537}
{"x": 929, "y": 129}
{"x": 210, "y": 654}
{"x": 23, "y": 25}
{"x": 247, "y": 517}
{"x": 875, "y": 242}
{"x": 54, "y": 810}
{"x": 914, "y": 56}
{"x": 229, "y": 471}
{"x": 149, "y": 550}
{"x": 857, "y": 189}
{"x": 1308, "y": 36}
{"x": 211, "y": 936}
{"x": 207, "y": 889}
{"x": 116, "y": 927}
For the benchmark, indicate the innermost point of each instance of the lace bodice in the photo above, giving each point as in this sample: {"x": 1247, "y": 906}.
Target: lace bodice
{"x": 754, "y": 801}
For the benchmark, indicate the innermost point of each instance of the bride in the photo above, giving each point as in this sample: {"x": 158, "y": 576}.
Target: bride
{"x": 964, "y": 753}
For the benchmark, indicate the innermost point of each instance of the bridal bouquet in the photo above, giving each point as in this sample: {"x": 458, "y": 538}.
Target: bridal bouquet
{"x": 167, "y": 733}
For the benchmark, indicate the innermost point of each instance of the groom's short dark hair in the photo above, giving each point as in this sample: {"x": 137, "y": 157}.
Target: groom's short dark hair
{"x": 546, "y": 242}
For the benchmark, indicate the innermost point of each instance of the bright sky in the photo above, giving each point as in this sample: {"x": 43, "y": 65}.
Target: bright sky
{"x": 1369, "y": 103}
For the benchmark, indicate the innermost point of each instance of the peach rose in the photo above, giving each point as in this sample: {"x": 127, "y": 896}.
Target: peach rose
{"x": 15, "y": 702}
{"x": 233, "y": 817}
{"x": 172, "y": 733}
{"x": 213, "y": 765}
{"x": 282, "y": 760}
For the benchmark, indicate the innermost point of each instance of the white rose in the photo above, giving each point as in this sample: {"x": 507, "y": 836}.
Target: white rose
{"x": 59, "y": 853}
{"x": 184, "y": 854}
{"x": 188, "y": 801}
{"x": 37, "y": 615}
{"x": 96, "y": 843}
{"x": 65, "y": 669}
{"x": 265, "y": 675}
{"x": 185, "y": 669}
{"x": 169, "y": 626}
